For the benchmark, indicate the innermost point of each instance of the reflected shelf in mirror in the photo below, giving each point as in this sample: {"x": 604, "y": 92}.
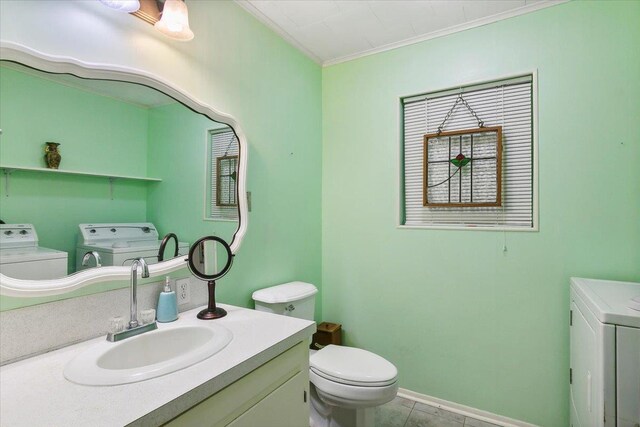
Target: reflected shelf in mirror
{"x": 8, "y": 170}
{"x": 11, "y": 168}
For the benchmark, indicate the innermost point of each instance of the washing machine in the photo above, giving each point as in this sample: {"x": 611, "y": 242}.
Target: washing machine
{"x": 119, "y": 244}
{"x": 604, "y": 372}
{"x": 22, "y": 258}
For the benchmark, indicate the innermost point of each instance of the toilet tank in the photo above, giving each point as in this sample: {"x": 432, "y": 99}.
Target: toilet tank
{"x": 295, "y": 299}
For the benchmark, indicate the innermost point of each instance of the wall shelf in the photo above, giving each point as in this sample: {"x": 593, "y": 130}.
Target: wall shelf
{"x": 8, "y": 170}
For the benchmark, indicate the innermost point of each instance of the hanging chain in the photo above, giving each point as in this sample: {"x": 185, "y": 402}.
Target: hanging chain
{"x": 233, "y": 138}
{"x": 464, "y": 102}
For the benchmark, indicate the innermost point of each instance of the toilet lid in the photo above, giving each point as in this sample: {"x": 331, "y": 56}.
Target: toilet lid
{"x": 354, "y": 366}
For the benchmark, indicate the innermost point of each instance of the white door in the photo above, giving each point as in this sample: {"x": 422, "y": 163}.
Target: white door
{"x": 584, "y": 348}
{"x": 592, "y": 366}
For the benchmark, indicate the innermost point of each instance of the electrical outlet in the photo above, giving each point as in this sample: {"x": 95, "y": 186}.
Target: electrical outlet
{"x": 182, "y": 289}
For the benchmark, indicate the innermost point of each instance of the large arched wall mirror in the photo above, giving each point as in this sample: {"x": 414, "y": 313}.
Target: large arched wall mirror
{"x": 130, "y": 171}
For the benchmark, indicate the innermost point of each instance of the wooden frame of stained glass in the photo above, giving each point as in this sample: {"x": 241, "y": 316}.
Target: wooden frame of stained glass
{"x": 463, "y": 168}
{"x": 226, "y": 175}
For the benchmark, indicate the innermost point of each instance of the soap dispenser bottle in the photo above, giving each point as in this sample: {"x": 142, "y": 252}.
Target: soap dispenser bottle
{"x": 167, "y": 304}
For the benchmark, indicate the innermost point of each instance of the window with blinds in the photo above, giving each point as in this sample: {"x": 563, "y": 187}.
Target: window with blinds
{"x": 223, "y": 171}
{"x": 506, "y": 103}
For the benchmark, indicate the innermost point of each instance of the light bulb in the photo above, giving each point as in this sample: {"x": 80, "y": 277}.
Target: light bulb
{"x": 175, "y": 21}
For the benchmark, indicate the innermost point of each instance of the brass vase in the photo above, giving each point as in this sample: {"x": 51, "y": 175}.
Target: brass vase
{"x": 52, "y": 156}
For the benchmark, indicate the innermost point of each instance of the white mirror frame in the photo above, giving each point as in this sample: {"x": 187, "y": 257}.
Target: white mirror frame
{"x": 61, "y": 64}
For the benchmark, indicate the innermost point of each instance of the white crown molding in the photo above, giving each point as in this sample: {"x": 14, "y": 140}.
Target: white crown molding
{"x": 423, "y": 37}
{"x": 257, "y": 13}
{"x": 451, "y": 30}
{"x": 15, "y": 52}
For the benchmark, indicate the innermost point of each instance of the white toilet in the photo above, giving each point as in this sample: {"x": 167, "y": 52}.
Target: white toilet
{"x": 346, "y": 383}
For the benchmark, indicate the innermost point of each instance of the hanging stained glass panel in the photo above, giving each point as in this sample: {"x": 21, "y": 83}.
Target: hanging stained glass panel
{"x": 226, "y": 175}
{"x": 463, "y": 168}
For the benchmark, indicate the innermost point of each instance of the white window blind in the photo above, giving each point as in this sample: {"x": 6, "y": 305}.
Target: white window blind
{"x": 223, "y": 143}
{"x": 507, "y": 103}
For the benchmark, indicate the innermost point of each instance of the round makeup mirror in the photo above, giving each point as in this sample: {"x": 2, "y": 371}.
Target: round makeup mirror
{"x": 210, "y": 258}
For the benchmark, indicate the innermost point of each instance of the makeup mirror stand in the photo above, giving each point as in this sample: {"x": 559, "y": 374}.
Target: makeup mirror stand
{"x": 203, "y": 264}
{"x": 212, "y": 311}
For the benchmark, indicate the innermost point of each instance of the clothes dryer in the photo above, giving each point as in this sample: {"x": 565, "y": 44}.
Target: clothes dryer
{"x": 21, "y": 257}
{"x": 605, "y": 354}
{"x": 119, "y": 244}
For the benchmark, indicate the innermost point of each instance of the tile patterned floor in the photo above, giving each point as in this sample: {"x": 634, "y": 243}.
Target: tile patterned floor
{"x": 406, "y": 413}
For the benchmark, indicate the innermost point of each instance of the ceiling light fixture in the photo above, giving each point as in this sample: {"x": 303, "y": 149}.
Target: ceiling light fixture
{"x": 127, "y": 6}
{"x": 174, "y": 22}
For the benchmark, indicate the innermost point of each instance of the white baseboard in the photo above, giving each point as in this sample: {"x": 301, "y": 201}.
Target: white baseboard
{"x": 462, "y": 409}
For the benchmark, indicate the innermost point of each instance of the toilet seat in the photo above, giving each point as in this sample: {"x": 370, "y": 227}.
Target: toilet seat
{"x": 352, "y": 366}
{"x": 350, "y": 396}
{"x": 350, "y": 382}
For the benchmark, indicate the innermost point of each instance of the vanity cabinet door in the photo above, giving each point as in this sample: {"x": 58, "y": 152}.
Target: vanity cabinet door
{"x": 285, "y": 407}
{"x": 274, "y": 394}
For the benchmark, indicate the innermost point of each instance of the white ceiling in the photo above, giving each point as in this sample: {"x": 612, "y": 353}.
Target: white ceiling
{"x": 332, "y": 31}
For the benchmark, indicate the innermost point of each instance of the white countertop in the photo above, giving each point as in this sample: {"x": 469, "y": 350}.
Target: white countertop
{"x": 34, "y": 391}
{"x": 609, "y": 300}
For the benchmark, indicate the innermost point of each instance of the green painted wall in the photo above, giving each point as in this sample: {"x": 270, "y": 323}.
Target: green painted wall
{"x": 238, "y": 66}
{"x": 275, "y": 94}
{"x": 462, "y": 320}
{"x": 180, "y": 139}
{"x": 98, "y": 134}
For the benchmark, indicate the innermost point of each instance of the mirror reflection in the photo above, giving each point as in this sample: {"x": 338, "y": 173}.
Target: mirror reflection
{"x": 210, "y": 258}
{"x": 120, "y": 244}
{"x": 97, "y": 173}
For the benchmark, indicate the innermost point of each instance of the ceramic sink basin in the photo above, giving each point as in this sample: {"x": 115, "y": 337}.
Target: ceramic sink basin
{"x": 148, "y": 355}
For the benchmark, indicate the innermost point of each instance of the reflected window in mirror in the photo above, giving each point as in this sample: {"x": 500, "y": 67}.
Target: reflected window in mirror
{"x": 226, "y": 176}
{"x": 223, "y": 161}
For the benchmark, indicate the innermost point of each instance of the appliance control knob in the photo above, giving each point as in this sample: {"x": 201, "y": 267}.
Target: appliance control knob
{"x": 113, "y": 230}
{"x": 8, "y": 232}
{"x": 23, "y": 232}
{"x": 92, "y": 231}
{"x": 146, "y": 229}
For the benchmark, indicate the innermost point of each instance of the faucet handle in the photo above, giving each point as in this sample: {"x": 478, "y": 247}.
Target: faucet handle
{"x": 147, "y": 316}
{"x": 116, "y": 324}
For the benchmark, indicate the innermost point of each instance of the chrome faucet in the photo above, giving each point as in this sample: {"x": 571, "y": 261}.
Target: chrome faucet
{"x": 134, "y": 327}
{"x": 133, "y": 291}
{"x": 87, "y": 257}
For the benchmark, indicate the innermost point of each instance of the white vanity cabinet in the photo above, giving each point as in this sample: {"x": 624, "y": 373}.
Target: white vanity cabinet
{"x": 605, "y": 354}
{"x": 275, "y": 394}
{"x": 260, "y": 379}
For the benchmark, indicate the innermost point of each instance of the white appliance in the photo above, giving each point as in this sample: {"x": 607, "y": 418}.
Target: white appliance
{"x": 22, "y": 258}
{"x": 605, "y": 354}
{"x": 346, "y": 383}
{"x": 120, "y": 244}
